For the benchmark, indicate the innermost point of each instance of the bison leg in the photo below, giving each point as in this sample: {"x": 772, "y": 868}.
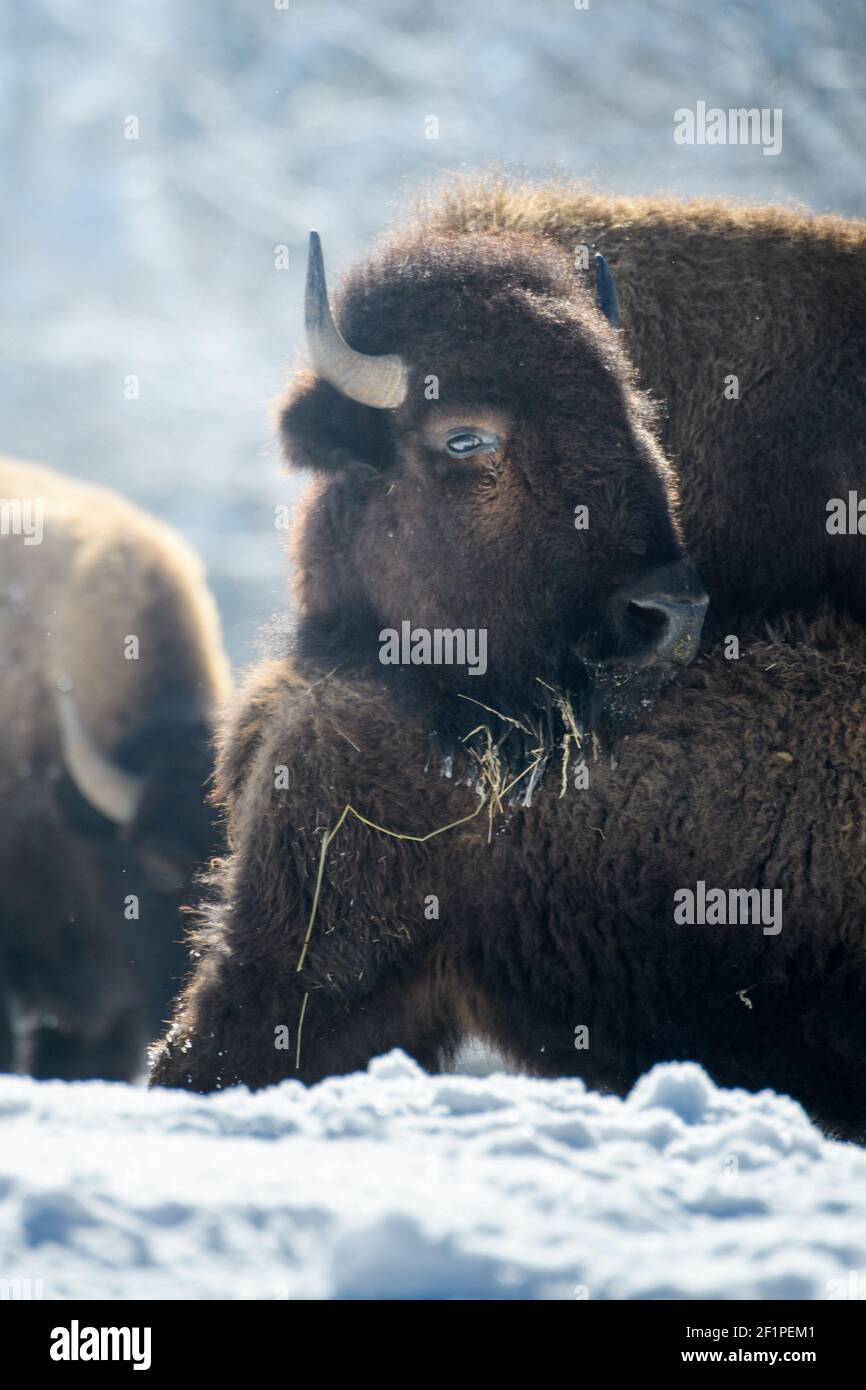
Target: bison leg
{"x": 258, "y": 1028}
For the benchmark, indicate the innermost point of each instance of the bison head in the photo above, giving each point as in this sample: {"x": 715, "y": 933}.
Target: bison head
{"x": 485, "y": 465}
{"x": 144, "y": 812}
{"x": 148, "y": 802}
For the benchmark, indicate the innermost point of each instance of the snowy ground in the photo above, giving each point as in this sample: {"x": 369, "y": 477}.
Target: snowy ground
{"x": 393, "y": 1183}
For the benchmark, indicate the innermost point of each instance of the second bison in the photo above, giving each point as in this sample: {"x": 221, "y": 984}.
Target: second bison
{"x": 112, "y": 668}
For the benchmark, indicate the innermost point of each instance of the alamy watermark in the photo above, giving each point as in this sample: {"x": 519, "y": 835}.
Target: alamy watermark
{"x": 21, "y": 1290}
{"x": 846, "y": 516}
{"x": 77, "y": 1343}
{"x": 740, "y": 125}
{"x": 22, "y": 516}
{"x": 729, "y": 907}
{"x": 438, "y": 646}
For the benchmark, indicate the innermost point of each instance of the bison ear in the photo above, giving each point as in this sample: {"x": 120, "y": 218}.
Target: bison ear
{"x": 605, "y": 291}
{"x": 323, "y": 430}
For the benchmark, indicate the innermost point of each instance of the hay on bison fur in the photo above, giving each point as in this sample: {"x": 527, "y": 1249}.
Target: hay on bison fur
{"x": 748, "y": 774}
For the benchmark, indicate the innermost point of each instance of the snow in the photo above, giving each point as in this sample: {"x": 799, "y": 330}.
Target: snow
{"x": 394, "y": 1183}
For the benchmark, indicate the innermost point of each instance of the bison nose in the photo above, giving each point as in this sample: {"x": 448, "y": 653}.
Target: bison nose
{"x": 663, "y": 614}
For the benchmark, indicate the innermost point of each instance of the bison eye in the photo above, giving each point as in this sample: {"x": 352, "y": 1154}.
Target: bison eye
{"x": 462, "y": 443}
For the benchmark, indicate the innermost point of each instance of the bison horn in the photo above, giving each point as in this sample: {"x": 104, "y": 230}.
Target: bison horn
{"x": 605, "y": 291}
{"x": 378, "y": 381}
{"x": 115, "y": 793}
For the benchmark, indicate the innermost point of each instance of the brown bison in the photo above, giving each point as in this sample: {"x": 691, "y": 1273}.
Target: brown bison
{"x": 417, "y": 853}
{"x": 112, "y": 668}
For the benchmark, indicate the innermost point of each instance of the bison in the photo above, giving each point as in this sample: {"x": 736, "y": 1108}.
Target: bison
{"x": 112, "y": 670}
{"x": 416, "y": 853}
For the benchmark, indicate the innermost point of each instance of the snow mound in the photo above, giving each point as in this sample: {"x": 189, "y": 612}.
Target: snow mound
{"x": 396, "y": 1184}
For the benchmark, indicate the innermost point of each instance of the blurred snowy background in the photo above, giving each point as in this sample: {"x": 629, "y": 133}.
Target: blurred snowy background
{"x": 156, "y": 257}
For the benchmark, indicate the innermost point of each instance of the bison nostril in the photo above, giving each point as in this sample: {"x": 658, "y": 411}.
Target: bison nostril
{"x": 647, "y": 617}
{"x": 671, "y": 630}
{"x": 661, "y": 617}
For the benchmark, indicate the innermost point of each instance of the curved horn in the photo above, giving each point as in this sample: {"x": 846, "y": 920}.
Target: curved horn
{"x": 605, "y": 291}
{"x": 115, "y": 793}
{"x": 378, "y": 381}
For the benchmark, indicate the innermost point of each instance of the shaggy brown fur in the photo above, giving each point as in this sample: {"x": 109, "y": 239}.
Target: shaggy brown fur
{"x": 560, "y": 913}
{"x": 775, "y": 296}
{"x": 554, "y": 915}
{"x": 103, "y": 571}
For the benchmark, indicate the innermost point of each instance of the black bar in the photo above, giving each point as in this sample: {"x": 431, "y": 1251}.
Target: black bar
{"x": 650, "y": 1337}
